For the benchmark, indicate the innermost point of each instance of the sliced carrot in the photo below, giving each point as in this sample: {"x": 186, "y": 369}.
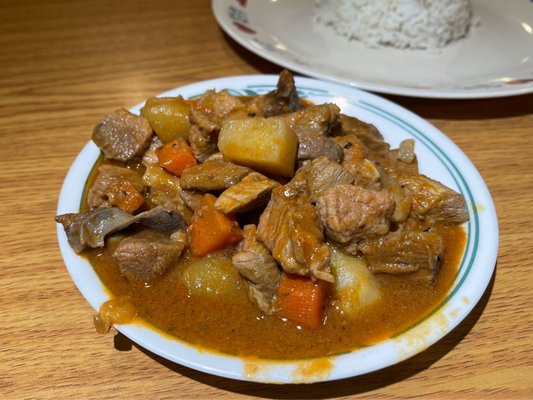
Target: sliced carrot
{"x": 125, "y": 196}
{"x": 301, "y": 300}
{"x": 211, "y": 229}
{"x": 176, "y": 156}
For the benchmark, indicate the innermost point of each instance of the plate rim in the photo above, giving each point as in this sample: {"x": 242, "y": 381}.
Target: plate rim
{"x": 273, "y": 371}
{"x": 236, "y": 34}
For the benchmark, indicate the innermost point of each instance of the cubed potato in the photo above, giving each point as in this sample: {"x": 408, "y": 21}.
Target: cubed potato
{"x": 267, "y": 145}
{"x": 355, "y": 286}
{"x": 168, "y": 116}
{"x": 213, "y": 276}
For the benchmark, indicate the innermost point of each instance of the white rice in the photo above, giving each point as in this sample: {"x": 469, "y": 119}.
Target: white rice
{"x": 415, "y": 24}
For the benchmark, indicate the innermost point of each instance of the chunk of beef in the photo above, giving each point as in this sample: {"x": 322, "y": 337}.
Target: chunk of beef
{"x": 291, "y": 230}
{"x": 365, "y": 172}
{"x": 403, "y": 252}
{"x": 256, "y": 264}
{"x": 312, "y": 126}
{"x": 122, "y": 135}
{"x": 206, "y": 118}
{"x": 251, "y": 192}
{"x": 366, "y": 133}
{"x": 351, "y": 213}
{"x": 433, "y": 200}
{"x": 148, "y": 254}
{"x": 321, "y": 174}
{"x": 89, "y": 229}
{"x": 164, "y": 188}
{"x": 191, "y": 198}
{"x": 283, "y": 100}
{"x": 110, "y": 176}
{"x": 213, "y": 176}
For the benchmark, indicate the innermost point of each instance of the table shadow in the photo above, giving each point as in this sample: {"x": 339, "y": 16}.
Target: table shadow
{"x": 344, "y": 387}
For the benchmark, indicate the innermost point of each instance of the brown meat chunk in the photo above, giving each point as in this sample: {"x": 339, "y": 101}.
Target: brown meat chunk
{"x": 351, "y": 213}
{"x": 321, "y": 174}
{"x": 312, "y": 126}
{"x": 89, "y": 229}
{"x": 404, "y": 252}
{"x": 434, "y": 201}
{"x": 256, "y": 264}
{"x": 213, "y": 176}
{"x": 251, "y": 192}
{"x": 206, "y": 118}
{"x": 164, "y": 187}
{"x": 108, "y": 177}
{"x": 291, "y": 230}
{"x": 122, "y": 135}
{"x": 283, "y": 100}
{"x": 148, "y": 254}
{"x": 366, "y": 133}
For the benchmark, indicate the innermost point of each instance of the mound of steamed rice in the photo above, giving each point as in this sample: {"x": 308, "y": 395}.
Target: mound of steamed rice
{"x": 415, "y": 24}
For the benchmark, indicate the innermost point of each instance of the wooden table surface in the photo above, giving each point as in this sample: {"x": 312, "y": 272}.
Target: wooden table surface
{"x": 64, "y": 64}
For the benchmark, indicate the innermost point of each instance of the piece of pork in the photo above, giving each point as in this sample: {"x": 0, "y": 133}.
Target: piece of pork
{"x": 213, "y": 175}
{"x": 89, "y": 229}
{"x": 321, "y": 174}
{"x": 110, "y": 176}
{"x": 312, "y": 126}
{"x": 149, "y": 254}
{"x": 404, "y": 252}
{"x": 122, "y": 135}
{"x": 365, "y": 172}
{"x": 191, "y": 198}
{"x": 206, "y": 118}
{"x": 351, "y": 213}
{"x": 163, "y": 187}
{"x": 251, "y": 192}
{"x": 290, "y": 228}
{"x": 366, "y": 133}
{"x": 256, "y": 264}
{"x": 432, "y": 200}
{"x": 284, "y": 99}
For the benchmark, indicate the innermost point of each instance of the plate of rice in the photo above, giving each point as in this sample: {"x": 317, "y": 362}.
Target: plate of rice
{"x": 423, "y": 48}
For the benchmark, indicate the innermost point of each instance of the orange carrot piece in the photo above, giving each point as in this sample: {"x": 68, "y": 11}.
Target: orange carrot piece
{"x": 211, "y": 229}
{"x": 176, "y": 156}
{"x": 301, "y": 300}
{"x": 125, "y": 196}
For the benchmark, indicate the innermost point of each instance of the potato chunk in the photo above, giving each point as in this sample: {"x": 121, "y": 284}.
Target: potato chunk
{"x": 212, "y": 276}
{"x": 355, "y": 286}
{"x": 265, "y": 144}
{"x": 168, "y": 117}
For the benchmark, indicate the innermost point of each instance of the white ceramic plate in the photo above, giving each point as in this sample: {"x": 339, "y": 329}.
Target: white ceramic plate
{"x": 438, "y": 158}
{"x": 496, "y": 59}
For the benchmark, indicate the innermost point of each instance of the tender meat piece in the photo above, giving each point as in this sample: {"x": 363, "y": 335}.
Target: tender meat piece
{"x": 321, "y": 174}
{"x": 213, "y": 176}
{"x": 351, "y": 213}
{"x": 366, "y": 133}
{"x": 191, "y": 198}
{"x": 89, "y": 229}
{"x": 312, "y": 126}
{"x": 365, "y": 172}
{"x": 251, "y": 192}
{"x": 404, "y": 252}
{"x": 291, "y": 230}
{"x": 432, "y": 200}
{"x": 206, "y": 119}
{"x": 283, "y": 100}
{"x": 164, "y": 188}
{"x": 122, "y": 135}
{"x": 256, "y": 264}
{"x": 148, "y": 254}
{"x": 108, "y": 177}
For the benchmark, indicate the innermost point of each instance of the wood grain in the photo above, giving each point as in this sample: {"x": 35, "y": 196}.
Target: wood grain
{"x": 65, "y": 64}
